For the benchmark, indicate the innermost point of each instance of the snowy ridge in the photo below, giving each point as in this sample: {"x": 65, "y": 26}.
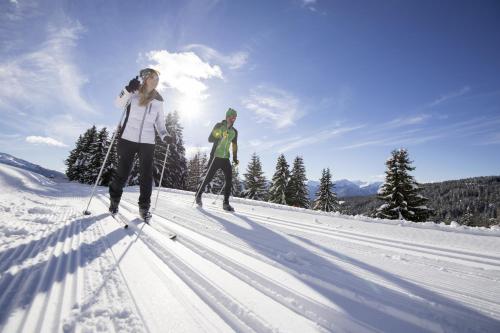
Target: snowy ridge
{"x": 265, "y": 268}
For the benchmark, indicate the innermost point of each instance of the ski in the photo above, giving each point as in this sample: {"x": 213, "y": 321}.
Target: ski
{"x": 170, "y": 234}
{"x": 120, "y": 219}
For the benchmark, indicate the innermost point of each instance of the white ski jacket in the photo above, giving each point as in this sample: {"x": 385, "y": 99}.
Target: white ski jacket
{"x": 140, "y": 122}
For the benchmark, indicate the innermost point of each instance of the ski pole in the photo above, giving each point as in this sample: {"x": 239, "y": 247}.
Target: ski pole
{"x": 161, "y": 177}
{"x": 217, "y": 196}
{"x": 86, "y": 211}
{"x": 220, "y": 191}
{"x": 199, "y": 189}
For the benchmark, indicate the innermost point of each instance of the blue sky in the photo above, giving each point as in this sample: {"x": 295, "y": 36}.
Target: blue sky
{"x": 341, "y": 83}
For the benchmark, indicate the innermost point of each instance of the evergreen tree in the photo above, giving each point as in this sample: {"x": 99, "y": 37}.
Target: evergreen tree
{"x": 400, "y": 191}
{"x": 255, "y": 182}
{"x": 217, "y": 183}
{"x": 98, "y": 152}
{"x": 81, "y": 165}
{"x": 176, "y": 165}
{"x": 196, "y": 166}
{"x": 278, "y": 188}
{"x": 111, "y": 163}
{"x": 298, "y": 194}
{"x": 237, "y": 188}
{"x": 326, "y": 199}
{"x": 133, "y": 178}
{"x": 71, "y": 161}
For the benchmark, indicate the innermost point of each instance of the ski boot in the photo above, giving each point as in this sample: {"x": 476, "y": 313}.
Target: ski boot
{"x": 227, "y": 207}
{"x": 145, "y": 214}
{"x": 198, "y": 201}
{"x": 113, "y": 206}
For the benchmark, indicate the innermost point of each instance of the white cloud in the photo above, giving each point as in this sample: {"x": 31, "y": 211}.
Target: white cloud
{"x": 317, "y": 138}
{"x": 274, "y": 106}
{"x": 310, "y": 4}
{"x": 45, "y": 140}
{"x": 233, "y": 61}
{"x": 185, "y": 73}
{"x": 46, "y": 76}
{"x": 449, "y": 96}
{"x": 413, "y": 120}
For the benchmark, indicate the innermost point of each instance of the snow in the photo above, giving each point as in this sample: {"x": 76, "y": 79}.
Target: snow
{"x": 265, "y": 268}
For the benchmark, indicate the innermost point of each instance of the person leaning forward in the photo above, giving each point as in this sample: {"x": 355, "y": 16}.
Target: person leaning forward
{"x": 222, "y": 136}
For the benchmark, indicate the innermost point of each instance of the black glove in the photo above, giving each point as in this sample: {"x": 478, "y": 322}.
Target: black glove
{"x": 236, "y": 162}
{"x": 133, "y": 85}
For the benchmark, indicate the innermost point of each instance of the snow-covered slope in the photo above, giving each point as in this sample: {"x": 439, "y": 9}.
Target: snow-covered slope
{"x": 20, "y": 163}
{"x": 265, "y": 268}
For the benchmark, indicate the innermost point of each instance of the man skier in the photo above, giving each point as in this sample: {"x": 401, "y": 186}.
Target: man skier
{"x": 222, "y": 135}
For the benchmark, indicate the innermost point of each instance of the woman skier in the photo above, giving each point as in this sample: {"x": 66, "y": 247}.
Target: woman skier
{"x": 144, "y": 115}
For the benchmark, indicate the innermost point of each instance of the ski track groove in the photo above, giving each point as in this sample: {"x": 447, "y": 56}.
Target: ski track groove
{"x": 205, "y": 289}
{"x": 468, "y": 299}
{"x": 302, "y": 306}
{"x": 117, "y": 265}
{"x": 213, "y": 298}
{"x": 36, "y": 281}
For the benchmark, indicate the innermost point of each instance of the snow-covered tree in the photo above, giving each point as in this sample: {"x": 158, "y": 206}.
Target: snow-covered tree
{"x": 278, "y": 188}
{"x": 196, "y": 167}
{"x": 71, "y": 161}
{"x": 255, "y": 183}
{"x": 79, "y": 168}
{"x": 98, "y": 152}
{"x": 175, "y": 175}
{"x": 326, "y": 199}
{"x": 400, "y": 191}
{"x": 298, "y": 194}
{"x": 237, "y": 188}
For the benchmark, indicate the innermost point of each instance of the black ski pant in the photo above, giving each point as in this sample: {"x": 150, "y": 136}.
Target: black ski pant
{"x": 225, "y": 165}
{"x": 126, "y": 152}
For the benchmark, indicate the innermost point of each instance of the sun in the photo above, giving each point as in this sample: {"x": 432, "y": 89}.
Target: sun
{"x": 189, "y": 107}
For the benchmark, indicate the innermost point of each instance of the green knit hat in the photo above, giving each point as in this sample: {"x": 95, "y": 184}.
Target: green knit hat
{"x": 231, "y": 112}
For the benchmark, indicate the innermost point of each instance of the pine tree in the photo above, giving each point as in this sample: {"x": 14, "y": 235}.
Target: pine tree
{"x": 82, "y": 163}
{"x": 71, "y": 161}
{"x": 237, "y": 188}
{"x": 111, "y": 163}
{"x": 400, "y": 191}
{"x": 326, "y": 199}
{"x": 255, "y": 182}
{"x": 134, "y": 177}
{"x": 217, "y": 183}
{"x": 196, "y": 166}
{"x": 278, "y": 188}
{"x": 176, "y": 165}
{"x": 298, "y": 194}
{"x": 98, "y": 152}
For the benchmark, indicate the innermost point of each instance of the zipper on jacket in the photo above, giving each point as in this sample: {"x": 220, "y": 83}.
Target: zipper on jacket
{"x": 227, "y": 143}
{"x": 143, "y": 118}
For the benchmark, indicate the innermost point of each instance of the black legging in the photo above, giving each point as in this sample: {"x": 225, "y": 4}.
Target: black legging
{"x": 225, "y": 165}
{"x": 126, "y": 152}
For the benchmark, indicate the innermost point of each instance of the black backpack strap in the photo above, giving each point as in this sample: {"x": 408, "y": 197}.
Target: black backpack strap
{"x": 122, "y": 127}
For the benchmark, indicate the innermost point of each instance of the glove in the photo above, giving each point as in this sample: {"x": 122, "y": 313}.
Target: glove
{"x": 133, "y": 85}
{"x": 236, "y": 162}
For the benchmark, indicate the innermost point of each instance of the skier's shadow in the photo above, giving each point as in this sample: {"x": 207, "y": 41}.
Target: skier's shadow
{"x": 19, "y": 289}
{"x": 307, "y": 263}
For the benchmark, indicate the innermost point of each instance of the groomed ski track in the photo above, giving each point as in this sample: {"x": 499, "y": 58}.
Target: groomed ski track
{"x": 261, "y": 269}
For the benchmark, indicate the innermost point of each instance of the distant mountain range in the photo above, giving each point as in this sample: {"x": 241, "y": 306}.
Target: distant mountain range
{"x": 347, "y": 188}
{"x": 17, "y": 162}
